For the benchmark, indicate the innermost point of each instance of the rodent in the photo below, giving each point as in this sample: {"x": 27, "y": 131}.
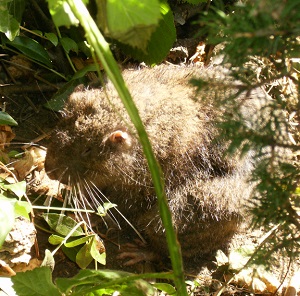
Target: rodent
{"x": 94, "y": 149}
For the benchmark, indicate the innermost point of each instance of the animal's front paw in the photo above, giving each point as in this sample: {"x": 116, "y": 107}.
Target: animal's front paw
{"x": 136, "y": 252}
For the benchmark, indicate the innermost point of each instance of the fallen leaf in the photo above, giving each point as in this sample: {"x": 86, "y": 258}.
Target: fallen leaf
{"x": 6, "y": 135}
{"x": 34, "y": 158}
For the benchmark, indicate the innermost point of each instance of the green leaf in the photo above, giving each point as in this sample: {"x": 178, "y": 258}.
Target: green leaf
{"x": 101, "y": 258}
{"x": 169, "y": 289}
{"x": 129, "y": 22}
{"x": 7, "y": 218}
{"x": 52, "y": 38}
{"x": 32, "y": 49}
{"x": 84, "y": 257}
{"x": 22, "y": 208}
{"x": 68, "y": 44}
{"x": 55, "y": 239}
{"x": 71, "y": 253}
{"x": 36, "y": 282}
{"x": 63, "y": 224}
{"x": 76, "y": 242}
{"x": 10, "y": 17}
{"x": 100, "y": 280}
{"x": 89, "y": 252}
{"x": 161, "y": 40}
{"x": 82, "y": 72}
{"x": 48, "y": 260}
{"x": 240, "y": 256}
{"x": 56, "y": 103}
{"x": 19, "y": 188}
{"x": 102, "y": 209}
{"x": 61, "y": 13}
{"x": 6, "y": 119}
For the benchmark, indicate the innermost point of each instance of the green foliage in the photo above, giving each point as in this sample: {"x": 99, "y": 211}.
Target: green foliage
{"x": 10, "y": 17}
{"x": 11, "y": 207}
{"x": 78, "y": 246}
{"x": 7, "y": 218}
{"x": 129, "y": 22}
{"x": 156, "y": 50}
{"x": 61, "y": 13}
{"x": 36, "y": 282}
{"x": 6, "y": 119}
{"x": 86, "y": 282}
{"x": 260, "y": 43}
{"x": 31, "y": 49}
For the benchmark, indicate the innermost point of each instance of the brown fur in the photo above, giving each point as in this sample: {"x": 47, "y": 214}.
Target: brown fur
{"x": 205, "y": 189}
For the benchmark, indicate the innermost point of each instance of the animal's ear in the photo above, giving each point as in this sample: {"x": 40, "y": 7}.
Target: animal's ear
{"x": 79, "y": 87}
{"x": 120, "y": 137}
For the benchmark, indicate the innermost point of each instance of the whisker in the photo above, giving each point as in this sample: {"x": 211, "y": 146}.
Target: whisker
{"x": 116, "y": 209}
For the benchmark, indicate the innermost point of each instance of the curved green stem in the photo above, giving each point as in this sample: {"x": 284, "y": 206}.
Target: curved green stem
{"x": 102, "y": 50}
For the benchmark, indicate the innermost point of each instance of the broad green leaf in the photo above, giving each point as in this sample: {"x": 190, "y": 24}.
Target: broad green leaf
{"x": 89, "y": 252}
{"x": 52, "y": 38}
{"x": 130, "y": 22}
{"x": 87, "y": 279}
{"x": 19, "y": 188}
{"x": 10, "y": 17}
{"x": 84, "y": 257}
{"x": 161, "y": 40}
{"x": 55, "y": 239}
{"x": 22, "y": 208}
{"x": 63, "y": 224}
{"x": 95, "y": 247}
{"x": 16, "y": 9}
{"x": 36, "y": 282}
{"x": 68, "y": 44}
{"x": 6, "y": 119}
{"x": 62, "y": 14}
{"x": 7, "y": 218}
{"x": 32, "y": 49}
{"x": 71, "y": 253}
{"x": 169, "y": 289}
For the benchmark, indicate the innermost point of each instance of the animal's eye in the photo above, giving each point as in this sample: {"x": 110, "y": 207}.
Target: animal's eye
{"x": 86, "y": 152}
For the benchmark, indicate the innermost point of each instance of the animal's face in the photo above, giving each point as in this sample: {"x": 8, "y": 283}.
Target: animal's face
{"x": 92, "y": 143}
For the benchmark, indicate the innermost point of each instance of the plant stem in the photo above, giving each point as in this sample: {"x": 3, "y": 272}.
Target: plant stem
{"x": 102, "y": 50}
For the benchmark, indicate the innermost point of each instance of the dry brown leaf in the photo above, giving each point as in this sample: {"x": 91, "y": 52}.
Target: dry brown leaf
{"x": 294, "y": 285}
{"x": 6, "y": 135}
{"x": 33, "y": 263}
{"x": 258, "y": 280}
{"x": 200, "y": 55}
{"x": 34, "y": 159}
{"x": 20, "y": 67}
